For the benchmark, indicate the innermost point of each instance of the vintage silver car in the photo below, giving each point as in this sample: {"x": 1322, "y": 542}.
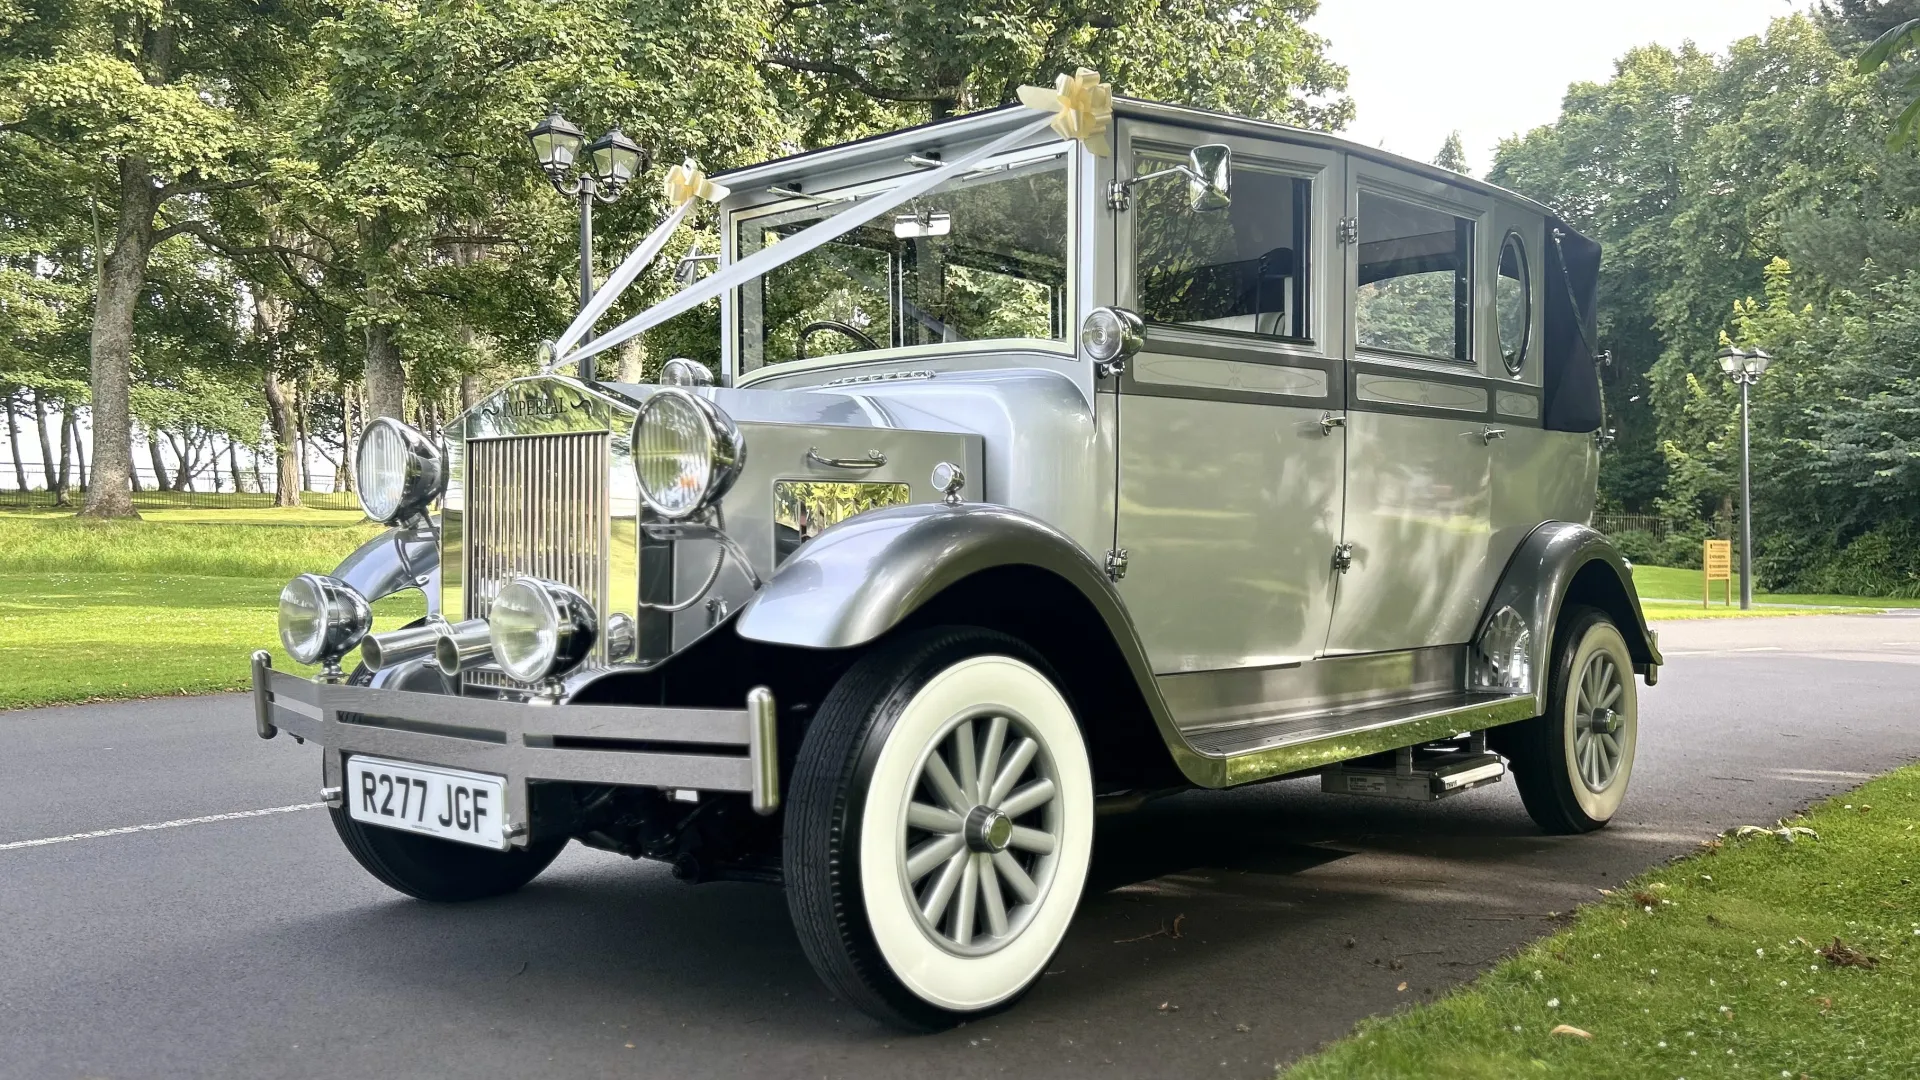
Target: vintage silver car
{"x": 1221, "y": 453}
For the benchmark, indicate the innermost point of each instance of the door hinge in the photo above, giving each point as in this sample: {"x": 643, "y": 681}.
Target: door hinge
{"x": 1117, "y": 564}
{"x": 1118, "y": 197}
{"x": 1342, "y": 557}
{"x": 1349, "y": 230}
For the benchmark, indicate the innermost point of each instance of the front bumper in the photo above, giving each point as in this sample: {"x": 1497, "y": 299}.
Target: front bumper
{"x": 640, "y": 746}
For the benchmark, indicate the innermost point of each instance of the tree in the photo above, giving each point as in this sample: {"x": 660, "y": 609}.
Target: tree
{"x": 157, "y": 106}
{"x": 876, "y": 62}
{"x": 1453, "y": 154}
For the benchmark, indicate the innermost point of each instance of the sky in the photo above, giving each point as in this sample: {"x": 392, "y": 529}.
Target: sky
{"x": 1493, "y": 68}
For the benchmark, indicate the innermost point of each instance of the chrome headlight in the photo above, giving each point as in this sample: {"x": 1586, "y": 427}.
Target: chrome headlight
{"x": 686, "y": 451}
{"x": 400, "y": 470}
{"x": 322, "y": 618}
{"x": 540, "y": 628}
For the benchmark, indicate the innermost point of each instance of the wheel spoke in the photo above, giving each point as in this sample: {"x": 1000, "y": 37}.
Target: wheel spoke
{"x": 1034, "y": 840}
{"x": 961, "y": 931}
{"x": 1613, "y": 694}
{"x": 1033, "y": 795}
{"x": 1015, "y": 878}
{"x": 990, "y": 754}
{"x": 963, "y": 756}
{"x": 990, "y": 897}
{"x": 935, "y": 904}
{"x": 1010, "y": 770}
{"x": 944, "y": 784}
{"x": 933, "y": 818}
{"x": 931, "y": 853}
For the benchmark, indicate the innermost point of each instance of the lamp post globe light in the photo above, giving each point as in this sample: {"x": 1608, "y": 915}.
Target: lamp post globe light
{"x": 1745, "y": 368}
{"x": 608, "y": 165}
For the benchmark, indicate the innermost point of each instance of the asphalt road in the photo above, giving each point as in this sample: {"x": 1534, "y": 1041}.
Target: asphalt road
{"x": 1224, "y": 933}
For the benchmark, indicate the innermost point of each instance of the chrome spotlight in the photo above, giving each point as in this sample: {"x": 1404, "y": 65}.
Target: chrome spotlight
{"x": 680, "y": 371}
{"x": 321, "y": 619}
{"x": 540, "y": 628}
{"x": 1110, "y": 335}
{"x": 401, "y": 471}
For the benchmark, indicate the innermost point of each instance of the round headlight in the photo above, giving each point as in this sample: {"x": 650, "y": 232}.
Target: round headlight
{"x": 680, "y": 371}
{"x": 321, "y": 618}
{"x": 1111, "y": 333}
{"x": 540, "y": 628}
{"x": 400, "y": 470}
{"x": 686, "y": 451}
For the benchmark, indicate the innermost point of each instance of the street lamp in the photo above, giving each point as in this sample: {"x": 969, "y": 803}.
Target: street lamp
{"x": 1745, "y": 368}
{"x": 612, "y": 161}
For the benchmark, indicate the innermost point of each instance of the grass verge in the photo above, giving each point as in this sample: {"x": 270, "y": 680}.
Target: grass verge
{"x": 210, "y": 543}
{"x": 1756, "y": 958}
{"x": 1670, "y": 583}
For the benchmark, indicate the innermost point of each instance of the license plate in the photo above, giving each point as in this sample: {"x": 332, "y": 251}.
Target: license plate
{"x": 447, "y": 803}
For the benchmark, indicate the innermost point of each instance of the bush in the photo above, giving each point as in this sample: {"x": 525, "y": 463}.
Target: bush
{"x": 1678, "y": 548}
{"x": 1884, "y": 561}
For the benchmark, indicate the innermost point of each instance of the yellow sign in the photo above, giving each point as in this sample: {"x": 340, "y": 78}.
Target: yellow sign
{"x": 1718, "y": 561}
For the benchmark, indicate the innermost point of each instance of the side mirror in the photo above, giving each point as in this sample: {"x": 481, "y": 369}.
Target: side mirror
{"x": 1210, "y": 177}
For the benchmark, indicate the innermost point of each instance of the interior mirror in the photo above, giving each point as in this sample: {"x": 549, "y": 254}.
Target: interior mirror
{"x": 1210, "y": 177}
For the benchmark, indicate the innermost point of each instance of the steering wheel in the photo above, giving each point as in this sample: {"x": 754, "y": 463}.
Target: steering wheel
{"x": 844, "y": 329}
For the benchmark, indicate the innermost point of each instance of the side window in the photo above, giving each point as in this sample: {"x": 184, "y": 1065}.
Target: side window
{"x": 1415, "y": 290}
{"x": 1513, "y": 303}
{"x": 1243, "y": 268}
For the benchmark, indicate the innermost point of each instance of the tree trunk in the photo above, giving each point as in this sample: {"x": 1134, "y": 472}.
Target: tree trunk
{"x": 80, "y": 456}
{"x": 46, "y": 445}
{"x": 306, "y": 450}
{"x": 182, "y": 475}
{"x": 386, "y": 377}
{"x": 469, "y": 391}
{"x": 280, "y": 420}
{"x": 160, "y": 480}
{"x": 233, "y": 466}
{"x": 349, "y": 397}
{"x": 13, "y": 442}
{"x": 66, "y": 458}
{"x": 122, "y": 277}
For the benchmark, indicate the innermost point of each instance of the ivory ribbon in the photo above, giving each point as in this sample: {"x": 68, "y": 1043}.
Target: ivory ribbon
{"x": 1082, "y": 106}
{"x": 684, "y": 183}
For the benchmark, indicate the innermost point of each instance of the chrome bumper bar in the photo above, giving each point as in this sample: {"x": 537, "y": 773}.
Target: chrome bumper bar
{"x": 640, "y": 746}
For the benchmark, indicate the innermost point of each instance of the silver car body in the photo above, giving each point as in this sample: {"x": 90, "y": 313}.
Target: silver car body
{"x": 1293, "y": 546}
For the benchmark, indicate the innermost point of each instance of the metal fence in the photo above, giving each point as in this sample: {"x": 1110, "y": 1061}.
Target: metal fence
{"x": 42, "y": 491}
{"x": 1654, "y": 525}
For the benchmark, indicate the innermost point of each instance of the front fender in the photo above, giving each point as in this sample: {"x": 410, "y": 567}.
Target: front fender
{"x": 862, "y": 577}
{"x": 1561, "y": 562}
{"x": 403, "y": 557}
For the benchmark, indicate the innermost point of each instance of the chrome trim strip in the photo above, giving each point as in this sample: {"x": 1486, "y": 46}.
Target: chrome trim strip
{"x": 1477, "y": 714}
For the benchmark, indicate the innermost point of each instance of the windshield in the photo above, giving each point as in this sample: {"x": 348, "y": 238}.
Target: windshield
{"x": 981, "y": 256}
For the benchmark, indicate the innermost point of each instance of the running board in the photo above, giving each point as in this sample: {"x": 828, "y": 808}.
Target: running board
{"x": 1225, "y": 757}
{"x": 1419, "y": 774}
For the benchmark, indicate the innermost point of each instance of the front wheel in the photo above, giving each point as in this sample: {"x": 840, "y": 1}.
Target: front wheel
{"x": 428, "y": 868}
{"x": 940, "y": 828}
{"x": 1572, "y": 763}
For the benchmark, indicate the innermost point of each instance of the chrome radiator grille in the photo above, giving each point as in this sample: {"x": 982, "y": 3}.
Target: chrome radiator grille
{"x": 536, "y": 504}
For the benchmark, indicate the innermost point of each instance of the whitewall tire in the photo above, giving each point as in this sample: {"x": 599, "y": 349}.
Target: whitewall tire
{"x": 939, "y": 828}
{"x": 1572, "y": 764}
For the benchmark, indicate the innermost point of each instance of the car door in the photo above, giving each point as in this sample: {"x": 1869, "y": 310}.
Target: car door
{"x": 1229, "y": 481}
{"x": 1420, "y": 425}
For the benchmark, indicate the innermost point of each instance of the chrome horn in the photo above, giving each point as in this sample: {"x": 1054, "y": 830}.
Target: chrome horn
{"x": 463, "y": 647}
{"x": 395, "y": 647}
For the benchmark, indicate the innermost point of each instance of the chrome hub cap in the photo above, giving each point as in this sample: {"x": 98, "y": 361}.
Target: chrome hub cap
{"x": 983, "y": 824}
{"x": 1598, "y": 747}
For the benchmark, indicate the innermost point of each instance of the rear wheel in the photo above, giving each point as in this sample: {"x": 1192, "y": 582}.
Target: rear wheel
{"x": 1572, "y": 763}
{"x": 428, "y": 868}
{"x": 939, "y": 829}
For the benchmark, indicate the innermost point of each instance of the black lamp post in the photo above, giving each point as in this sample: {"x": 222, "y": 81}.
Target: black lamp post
{"x": 1745, "y": 368}
{"x": 612, "y": 161}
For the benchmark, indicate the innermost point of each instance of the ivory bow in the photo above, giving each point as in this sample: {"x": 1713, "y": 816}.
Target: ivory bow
{"x": 1082, "y": 107}
{"x": 685, "y": 182}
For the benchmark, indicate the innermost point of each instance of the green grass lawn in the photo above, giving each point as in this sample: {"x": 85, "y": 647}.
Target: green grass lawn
{"x": 1669, "y": 583}
{"x": 169, "y": 605}
{"x": 1709, "y": 967}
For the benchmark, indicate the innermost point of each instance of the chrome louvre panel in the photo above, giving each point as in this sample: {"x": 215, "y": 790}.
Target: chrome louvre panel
{"x": 538, "y": 505}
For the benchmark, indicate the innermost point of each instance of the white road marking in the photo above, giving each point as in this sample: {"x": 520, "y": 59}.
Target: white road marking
{"x": 175, "y": 824}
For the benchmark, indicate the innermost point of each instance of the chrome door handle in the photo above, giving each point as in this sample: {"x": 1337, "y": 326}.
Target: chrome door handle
{"x": 1330, "y": 421}
{"x": 873, "y": 460}
{"x": 1492, "y": 433}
